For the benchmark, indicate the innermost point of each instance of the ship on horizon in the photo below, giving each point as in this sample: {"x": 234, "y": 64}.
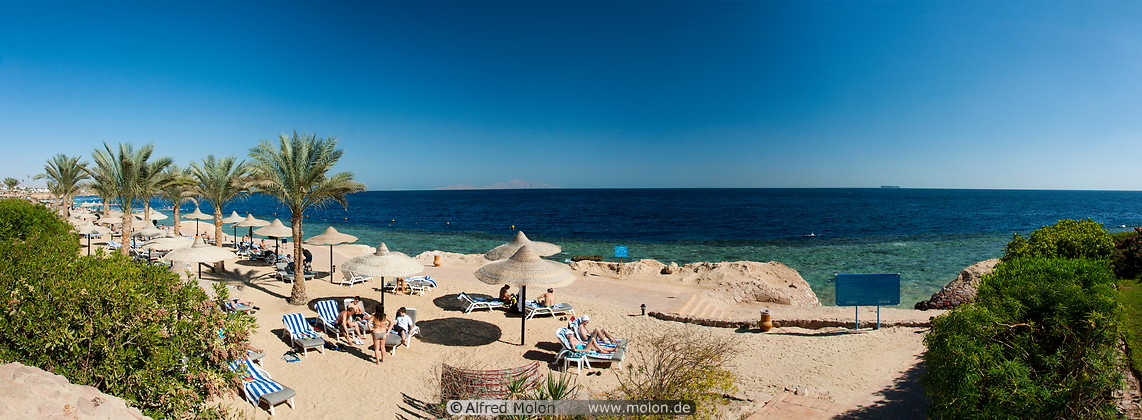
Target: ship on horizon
{"x": 889, "y": 186}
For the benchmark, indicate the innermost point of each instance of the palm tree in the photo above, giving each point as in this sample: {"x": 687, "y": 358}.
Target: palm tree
{"x": 130, "y": 175}
{"x": 11, "y": 183}
{"x": 64, "y": 175}
{"x": 177, "y": 190}
{"x": 219, "y": 181}
{"x": 295, "y": 172}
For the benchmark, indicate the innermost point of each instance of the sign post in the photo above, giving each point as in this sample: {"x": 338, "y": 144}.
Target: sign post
{"x": 620, "y": 253}
{"x": 867, "y": 290}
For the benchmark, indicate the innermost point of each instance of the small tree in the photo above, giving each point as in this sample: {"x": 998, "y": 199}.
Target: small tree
{"x": 295, "y": 171}
{"x": 219, "y": 181}
{"x": 11, "y": 183}
{"x": 679, "y": 364}
{"x": 130, "y": 175}
{"x": 177, "y": 189}
{"x": 1065, "y": 239}
{"x": 64, "y": 175}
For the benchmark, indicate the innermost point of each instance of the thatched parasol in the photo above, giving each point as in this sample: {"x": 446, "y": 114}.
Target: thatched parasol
{"x": 383, "y": 263}
{"x": 331, "y": 237}
{"x": 198, "y": 215}
{"x": 148, "y": 232}
{"x": 199, "y": 252}
{"x": 251, "y": 222}
{"x": 234, "y": 217}
{"x": 275, "y": 230}
{"x": 523, "y": 269}
{"x": 154, "y": 215}
{"x": 168, "y": 242}
{"x": 506, "y": 250}
{"x": 90, "y": 229}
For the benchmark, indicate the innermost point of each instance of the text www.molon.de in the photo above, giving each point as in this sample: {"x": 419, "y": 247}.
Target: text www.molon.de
{"x": 569, "y": 407}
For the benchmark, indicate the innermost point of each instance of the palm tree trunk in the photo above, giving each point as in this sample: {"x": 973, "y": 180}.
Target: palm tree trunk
{"x": 176, "y": 229}
{"x": 221, "y": 265}
{"x": 297, "y": 296}
{"x": 126, "y": 235}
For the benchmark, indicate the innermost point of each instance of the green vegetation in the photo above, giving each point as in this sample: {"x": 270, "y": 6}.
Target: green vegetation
{"x": 131, "y": 330}
{"x": 1065, "y": 239}
{"x": 1041, "y": 340}
{"x": 677, "y": 364}
{"x": 219, "y": 181}
{"x": 11, "y": 183}
{"x": 128, "y": 175}
{"x": 1130, "y": 296}
{"x": 64, "y": 175}
{"x": 296, "y": 173}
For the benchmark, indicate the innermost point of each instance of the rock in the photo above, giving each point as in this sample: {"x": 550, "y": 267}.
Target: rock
{"x": 962, "y": 290}
{"x": 30, "y": 392}
{"x": 670, "y": 268}
{"x": 451, "y": 258}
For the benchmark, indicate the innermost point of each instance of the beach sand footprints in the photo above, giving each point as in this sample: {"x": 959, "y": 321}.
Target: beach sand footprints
{"x": 458, "y": 332}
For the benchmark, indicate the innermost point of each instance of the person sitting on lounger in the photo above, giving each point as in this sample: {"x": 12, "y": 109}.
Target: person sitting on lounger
{"x": 379, "y": 324}
{"x": 404, "y": 325}
{"x": 589, "y": 345}
{"x": 504, "y": 295}
{"x": 346, "y": 324}
{"x": 359, "y": 314}
{"x": 601, "y": 335}
{"x": 547, "y": 299}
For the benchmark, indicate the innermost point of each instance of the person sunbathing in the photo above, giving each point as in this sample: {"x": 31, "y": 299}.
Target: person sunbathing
{"x": 589, "y": 345}
{"x": 601, "y": 335}
{"x": 346, "y": 324}
{"x": 547, "y": 299}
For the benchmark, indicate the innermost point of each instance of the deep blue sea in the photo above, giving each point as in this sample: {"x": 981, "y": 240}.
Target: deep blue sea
{"x": 927, "y": 235}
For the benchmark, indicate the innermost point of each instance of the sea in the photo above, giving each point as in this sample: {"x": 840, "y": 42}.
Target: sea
{"x": 926, "y": 235}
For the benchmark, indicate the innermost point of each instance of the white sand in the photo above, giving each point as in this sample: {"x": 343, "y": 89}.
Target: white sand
{"x": 848, "y": 367}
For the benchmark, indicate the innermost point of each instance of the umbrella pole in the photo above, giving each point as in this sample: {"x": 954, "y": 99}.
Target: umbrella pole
{"x": 331, "y": 263}
{"x": 88, "y": 244}
{"x": 522, "y": 313}
{"x": 382, "y": 294}
{"x": 200, "y": 271}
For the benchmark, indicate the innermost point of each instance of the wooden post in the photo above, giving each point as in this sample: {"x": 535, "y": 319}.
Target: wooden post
{"x": 522, "y": 313}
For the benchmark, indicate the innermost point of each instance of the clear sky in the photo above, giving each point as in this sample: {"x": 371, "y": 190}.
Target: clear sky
{"x": 425, "y": 94}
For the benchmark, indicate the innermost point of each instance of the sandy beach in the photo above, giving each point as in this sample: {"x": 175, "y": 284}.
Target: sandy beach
{"x": 799, "y": 372}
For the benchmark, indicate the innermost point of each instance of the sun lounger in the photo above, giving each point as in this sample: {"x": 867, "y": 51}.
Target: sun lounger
{"x": 327, "y": 313}
{"x": 349, "y": 279}
{"x": 259, "y": 387}
{"x": 580, "y": 357}
{"x": 478, "y": 303}
{"x": 532, "y": 308}
{"x": 301, "y": 334}
{"x": 419, "y": 284}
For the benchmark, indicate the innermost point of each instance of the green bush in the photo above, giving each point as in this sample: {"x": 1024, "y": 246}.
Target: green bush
{"x": 678, "y": 364}
{"x": 1040, "y": 342}
{"x": 131, "y": 330}
{"x": 1127, "y": 257}
{"x": 1065, "y": 239}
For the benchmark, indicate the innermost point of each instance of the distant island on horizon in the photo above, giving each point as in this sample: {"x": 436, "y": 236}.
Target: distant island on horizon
{"x": 515, "y": 184}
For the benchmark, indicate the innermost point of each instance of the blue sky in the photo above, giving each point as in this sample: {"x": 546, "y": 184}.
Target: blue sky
{"x": 425, "y": 94}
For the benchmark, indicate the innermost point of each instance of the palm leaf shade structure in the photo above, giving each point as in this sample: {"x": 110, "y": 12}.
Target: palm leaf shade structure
{"x": 506, "y": 250}
{"x": 383, "y": 263}
{"x": 251, "y": 222}
{"x": 331, "y": 237}
{"x": 523, "y": 269}
{"x": 90, "y": 229}
{"x": 234, "y": 217}
{"x": 198, "y": 215}
{"x": 275, "y": 230}
{"x": 199, "y": 252}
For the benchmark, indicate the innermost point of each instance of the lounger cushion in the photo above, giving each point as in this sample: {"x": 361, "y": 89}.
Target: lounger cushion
{"x": 311, "y": 342}
{"x": 278, "y": 397}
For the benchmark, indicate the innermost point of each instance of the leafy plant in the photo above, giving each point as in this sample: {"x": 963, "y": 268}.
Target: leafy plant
{"x": 679, "y": 364}
{"x": 131, "y": 330}
{"x": 1065, "y": 239}
{"x": 1040, "y": 342}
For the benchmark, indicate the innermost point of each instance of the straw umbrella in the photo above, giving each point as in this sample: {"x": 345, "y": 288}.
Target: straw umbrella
{"x": 234, "y": 218}
{"x": 275, "y": 230}
{"x": 383, "y": 263}
{"x": 506, "y": 250}
{"x": 168, "y": 242}
{"x": 198, "y": 215}
{"x": 154, "y": 215}
{"x": 90, "y": 229}
{"x": 331, "y": 237}
{"x": 148, "y": 232}
{"x": 199, "y": 252}
{"x": 251, "y": 223}
{"x": 523, "y": 269}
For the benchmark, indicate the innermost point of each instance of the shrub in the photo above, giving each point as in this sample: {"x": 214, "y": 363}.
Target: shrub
{"x": 1065, "y": 239}
{"x": 1127, "y": 257}
{"x": 1040, "y": 342}
{"x": 678, "y": 364}
{"x": 131, "y": 330}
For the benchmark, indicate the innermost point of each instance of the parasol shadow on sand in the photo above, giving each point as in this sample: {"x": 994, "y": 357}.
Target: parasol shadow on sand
{"x": 523, "y": 269}
{"x": 383, "y": 263}
{"x": 331, "y": 237}
{"x": 460, "y": 332}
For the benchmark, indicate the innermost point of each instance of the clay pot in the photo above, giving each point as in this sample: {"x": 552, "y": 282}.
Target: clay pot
{"x": 436, "y": 261}
{"x": 766, "y": 323}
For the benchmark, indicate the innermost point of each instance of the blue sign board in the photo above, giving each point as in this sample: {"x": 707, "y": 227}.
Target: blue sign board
{"x": 868, "y": 289}
{"x": 620, "y": 252}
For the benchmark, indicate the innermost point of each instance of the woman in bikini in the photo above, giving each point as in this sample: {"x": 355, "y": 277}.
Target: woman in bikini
{"x": 380, "y": 325}
{"x": 580, "y": 345}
